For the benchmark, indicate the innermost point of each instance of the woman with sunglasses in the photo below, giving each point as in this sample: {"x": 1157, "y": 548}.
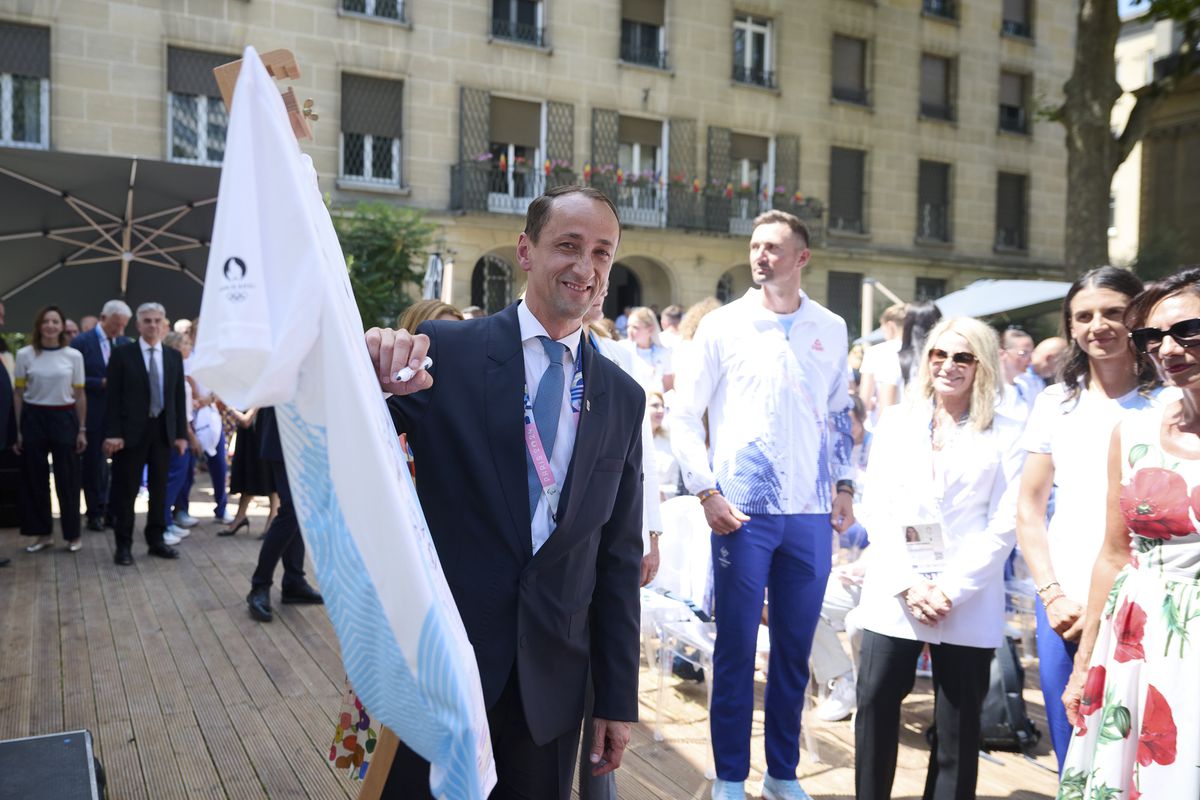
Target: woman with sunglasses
{"x": 1064, "y": 437}
{"x": 945, "y": 464}
{"x": 1134, "y": 696}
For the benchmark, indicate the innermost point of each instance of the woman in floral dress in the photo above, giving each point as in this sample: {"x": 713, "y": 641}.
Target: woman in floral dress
{"x": 1134, "y": 696}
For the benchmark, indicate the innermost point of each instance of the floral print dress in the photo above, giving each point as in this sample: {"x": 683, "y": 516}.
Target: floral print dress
{"x": 1138, "y": 733}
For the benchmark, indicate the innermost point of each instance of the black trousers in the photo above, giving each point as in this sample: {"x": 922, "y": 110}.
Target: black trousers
{"x": 282, "y": 541}
{"x": 887, "y": 670}
{"x": 49, "y": 432}
{"x": 525, "y": 770}
{"x": 96, "y": 477}
{"x": 152, "y": 451}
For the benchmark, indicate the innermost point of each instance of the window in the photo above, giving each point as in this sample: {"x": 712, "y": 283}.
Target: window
{"x": 844, "y": 298}
{"x": 24, "y": 86}
{"x": 752, "y": 56}
{"x": 640, "y": 195}
{"x": 197, "y": 119}
{"x": 933, "y": 201}
{"x": 749, "y": 158}
{"x": 1013, "y": 102}
{"x": 939, "y": 8}
{"x": 846, "y": 190}
{"x": 516, "y": 154}
{"x": 936, "y": 90}
{"x": 372, "y": 117}
{"x": 850, "y": 69}
{"x": 1016, "y": 19}
{"x": 518, "y": 20}
{"x": 642, "y": 34}
{"x": 492, "y": 284}
{"x": 930, "y": 289}
{"x": 1011, "y": 217}
{"x": 384, "y": 9}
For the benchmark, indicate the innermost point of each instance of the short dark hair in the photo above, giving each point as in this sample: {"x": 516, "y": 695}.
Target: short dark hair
{"x": 791, "y": 220}
{"x": 1010, "y": 333}
{"x": 1138, "y": 310}
{"x": 539, "y": 210}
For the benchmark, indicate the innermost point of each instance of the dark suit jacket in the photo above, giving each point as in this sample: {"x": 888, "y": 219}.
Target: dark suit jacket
{"x": 95, "y": 371}
{"x": 576, "y": 601}
{"x": 128, "y": 412}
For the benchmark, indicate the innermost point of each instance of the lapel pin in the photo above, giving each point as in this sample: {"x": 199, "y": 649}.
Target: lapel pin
{"x": 587, "y": 405}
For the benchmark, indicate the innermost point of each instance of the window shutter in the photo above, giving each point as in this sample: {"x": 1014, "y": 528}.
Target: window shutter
{"x": 191, "y": 71}
{"x": 845, "y": 186}
{"x": 516, "y": 122}
{"x": 1012, "y": 89}
{"x": 849, "y": 63}
{"x": 755, "y": 148}
{"x": 474, "y": 123}
{"x": 935, "y": 73}
{"x": 646, "y": 132}
{"x": 647, "y": 12}
{"x": 560, "y": 132}
{"x": 372, "y": 106}
{"x": 605, "y": 137}
{"x": 1016, "y": 10}
{"x": 1010, "y": 206}
{"x": 933, "y": 181}
{"x": 787, "y": 163}
{"x": 25, "y": 50}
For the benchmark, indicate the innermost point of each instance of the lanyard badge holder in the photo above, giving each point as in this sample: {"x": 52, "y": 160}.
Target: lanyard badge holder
{"x": 533, "y": 439}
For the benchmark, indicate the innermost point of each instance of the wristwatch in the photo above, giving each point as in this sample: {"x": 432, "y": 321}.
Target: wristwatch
{"x": 655, "y": 534}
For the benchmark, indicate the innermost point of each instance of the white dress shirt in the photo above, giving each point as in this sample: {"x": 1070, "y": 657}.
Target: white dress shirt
{"x": 158, "y": 360}
{"x": 536, "y": 363}
{"x": 105, "y": 345}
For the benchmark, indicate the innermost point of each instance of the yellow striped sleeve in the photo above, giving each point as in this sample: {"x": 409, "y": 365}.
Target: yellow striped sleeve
{"x": 19, "y": 383}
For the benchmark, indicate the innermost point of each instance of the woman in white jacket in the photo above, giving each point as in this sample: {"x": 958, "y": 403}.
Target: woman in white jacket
{"x": 945, "y": 465}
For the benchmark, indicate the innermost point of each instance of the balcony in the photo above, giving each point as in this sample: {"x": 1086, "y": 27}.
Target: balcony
{"x": 1013, "y": 119}
{"x": 941, "y": 111}
{"x": 1013, "y": 27}
{"x": 939, "y": 8}
{"x": 754, "y": 76}
{"x": 1011, "y": 239}
{"x": 534, "y": 35}
{"x": 483, "y": 186}
{"x": 643, "y": 56}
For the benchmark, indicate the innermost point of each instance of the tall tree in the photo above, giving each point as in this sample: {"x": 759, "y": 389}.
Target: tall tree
{"x": 385, "y": 247}
{"x": 1094, "y": 150}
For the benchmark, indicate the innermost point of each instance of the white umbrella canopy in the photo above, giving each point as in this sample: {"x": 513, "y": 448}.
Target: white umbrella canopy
{"x": 77, "y": 230}
{"x": 990, "y": 298}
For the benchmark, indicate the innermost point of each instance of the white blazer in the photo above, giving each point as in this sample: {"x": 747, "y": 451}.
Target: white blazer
{"x": 978, "y": 508}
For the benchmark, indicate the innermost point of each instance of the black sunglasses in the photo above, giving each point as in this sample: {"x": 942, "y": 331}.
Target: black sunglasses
{"x": 1186, "y": 333}
{"x": 962, "y": 359}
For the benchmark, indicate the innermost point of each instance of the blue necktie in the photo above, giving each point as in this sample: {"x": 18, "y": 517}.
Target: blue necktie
{"x": 546, "y": 407}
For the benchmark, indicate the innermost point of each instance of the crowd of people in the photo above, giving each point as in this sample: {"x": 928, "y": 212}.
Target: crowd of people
{"x": 886, "y": 494}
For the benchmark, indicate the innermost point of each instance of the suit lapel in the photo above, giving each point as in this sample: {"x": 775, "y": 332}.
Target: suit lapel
{"x": 505, "y": 380}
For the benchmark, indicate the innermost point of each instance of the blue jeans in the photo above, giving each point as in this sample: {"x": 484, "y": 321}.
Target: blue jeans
{"x": 1056, "y": 658}
{"x": 179, "y": 482}
{"x": 789, "y": 555}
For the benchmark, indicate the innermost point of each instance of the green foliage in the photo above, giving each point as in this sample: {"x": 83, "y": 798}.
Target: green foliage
{"x": 1115, "y": 721}
{"x": 1073, "y": 784}
{"x": 385, "y": 247}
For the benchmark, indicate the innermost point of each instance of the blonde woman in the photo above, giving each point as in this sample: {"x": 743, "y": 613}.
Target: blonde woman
{"x": 424, "y": 310}
{"x": 944, "y": 465}
{"x": 645, "y": 342}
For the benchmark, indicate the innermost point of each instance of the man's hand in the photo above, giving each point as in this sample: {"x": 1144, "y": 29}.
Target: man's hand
{"x": 194, "y": 443}
{"x": 609, "y": 740}
{"x": 17, "y": 445}
{"x": 80, "y": 441}
{"x": 1065, "y": 617}
{"x": 181, "y": 446}
{"x": 841, "y": 513}
{"x": 650, "y": 563}
{"x": 722, "y": 517}
{"x": 927, "y": 602}
{"x": 112, "y": 445}
{"x": 392, "y": 351}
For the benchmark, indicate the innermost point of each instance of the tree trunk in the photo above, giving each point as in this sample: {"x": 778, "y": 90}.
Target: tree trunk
{"x": 1093, "y": 153}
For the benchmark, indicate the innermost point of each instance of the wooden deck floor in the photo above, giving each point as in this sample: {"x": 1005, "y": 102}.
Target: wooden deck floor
{"x": 187, "y": 697}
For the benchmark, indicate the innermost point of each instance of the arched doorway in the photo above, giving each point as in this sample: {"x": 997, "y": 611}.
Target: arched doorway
{"x": 734, "y": 283}
{"x": 624, "y": 290}
{"x": 492, "y": 284}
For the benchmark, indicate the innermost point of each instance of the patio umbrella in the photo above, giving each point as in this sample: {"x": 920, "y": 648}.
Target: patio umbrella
{"x": 77, "y": 230}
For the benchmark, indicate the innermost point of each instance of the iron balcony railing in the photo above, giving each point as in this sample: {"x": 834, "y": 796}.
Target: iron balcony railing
{"x": 1013, "y": 27}
{"x": 519, "y": 32}
{"x": 646, "y": 56}
{"x": 937, "y": 111}
{"x": 483, "y": 186}
{"x": 1013, "y": 119}
{"x": 754, "y": 76}
{"x": 1010, "y": 239}
{"x": 933, "y": 222}
{"x": 939, "y": 8}
{"x": 850, "y": 95}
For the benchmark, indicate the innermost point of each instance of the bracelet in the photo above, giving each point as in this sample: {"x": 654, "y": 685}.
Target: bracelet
{"x": 704, "y": 494}
{"x": 655, "y": 534}
{"x": 845, "y": 484}
{"x": 1049, "y": 603}
{"x": 1043, "y": 589}
{"x": 845, "y": 490}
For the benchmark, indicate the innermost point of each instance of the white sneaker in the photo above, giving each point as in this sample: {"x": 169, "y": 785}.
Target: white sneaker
{"x": 776, "y": 789}
{"x": 185, "y": 520}
{"x": 728, "y": 790}
{"x": 841, "y": 700}
{"x": 170, "y": 538}
{"x": 225, "y": 518}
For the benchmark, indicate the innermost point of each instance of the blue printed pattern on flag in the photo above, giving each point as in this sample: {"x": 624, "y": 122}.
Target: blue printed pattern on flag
{"x": 417, "y": 707}
{"x": 749, "y": 480}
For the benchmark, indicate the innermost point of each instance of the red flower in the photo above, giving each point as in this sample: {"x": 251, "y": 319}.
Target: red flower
{"x": 1129, "y": 626}
{"x": 1157, "y": 742}
{"x": 1092, "y": 698}
{"x": 1155, "y": 504}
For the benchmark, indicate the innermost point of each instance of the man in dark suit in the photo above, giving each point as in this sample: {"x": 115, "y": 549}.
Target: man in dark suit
{"x": 146, "y": 415}
{"x": 8, "y": 426}
{"x": 547, "y": 587}
{"x": 97, "y": 345}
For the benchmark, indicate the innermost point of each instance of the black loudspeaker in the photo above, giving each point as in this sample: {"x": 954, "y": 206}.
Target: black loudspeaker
{"x": 60, "y": 766}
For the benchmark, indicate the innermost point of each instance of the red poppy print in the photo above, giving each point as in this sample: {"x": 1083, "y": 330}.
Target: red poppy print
{"x": 1157, "y": 742}
{"x": 1155, "y": 504}
{"x": 1092, "y": 698}
{"x": 1129, "y": 627}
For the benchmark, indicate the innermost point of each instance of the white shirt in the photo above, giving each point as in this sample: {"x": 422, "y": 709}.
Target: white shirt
{"x": 105, "y": 345}
{"x": 978, "y": 489}
{"x": 657, "y": 359}
{"x": 883, "y": 361}
{"x": 536, "y": 363}
{"x": 773, "y": 402}
{"x": 1012, "y": 404}
{"x": 158, "y": 360}
{"x": 50, "y": 377}
{"x": 1077, "y": 435}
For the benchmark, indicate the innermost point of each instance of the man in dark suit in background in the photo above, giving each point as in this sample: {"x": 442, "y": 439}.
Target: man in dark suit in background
{"x": 97, "y": 345}
{"x": 546, "y": 588}
{"x": 146, "y": 415}
{"x": 8, "y": 427}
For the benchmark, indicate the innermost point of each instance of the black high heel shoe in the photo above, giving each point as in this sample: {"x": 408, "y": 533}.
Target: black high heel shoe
{"x": 245, "y": 523}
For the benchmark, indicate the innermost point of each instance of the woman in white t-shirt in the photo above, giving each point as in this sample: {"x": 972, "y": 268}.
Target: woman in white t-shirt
{"x": 51, "y": 410}
{"x": 1067, "y": 437}
{"x": 664, "y": 457}
{"x": 645, "y": 343}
